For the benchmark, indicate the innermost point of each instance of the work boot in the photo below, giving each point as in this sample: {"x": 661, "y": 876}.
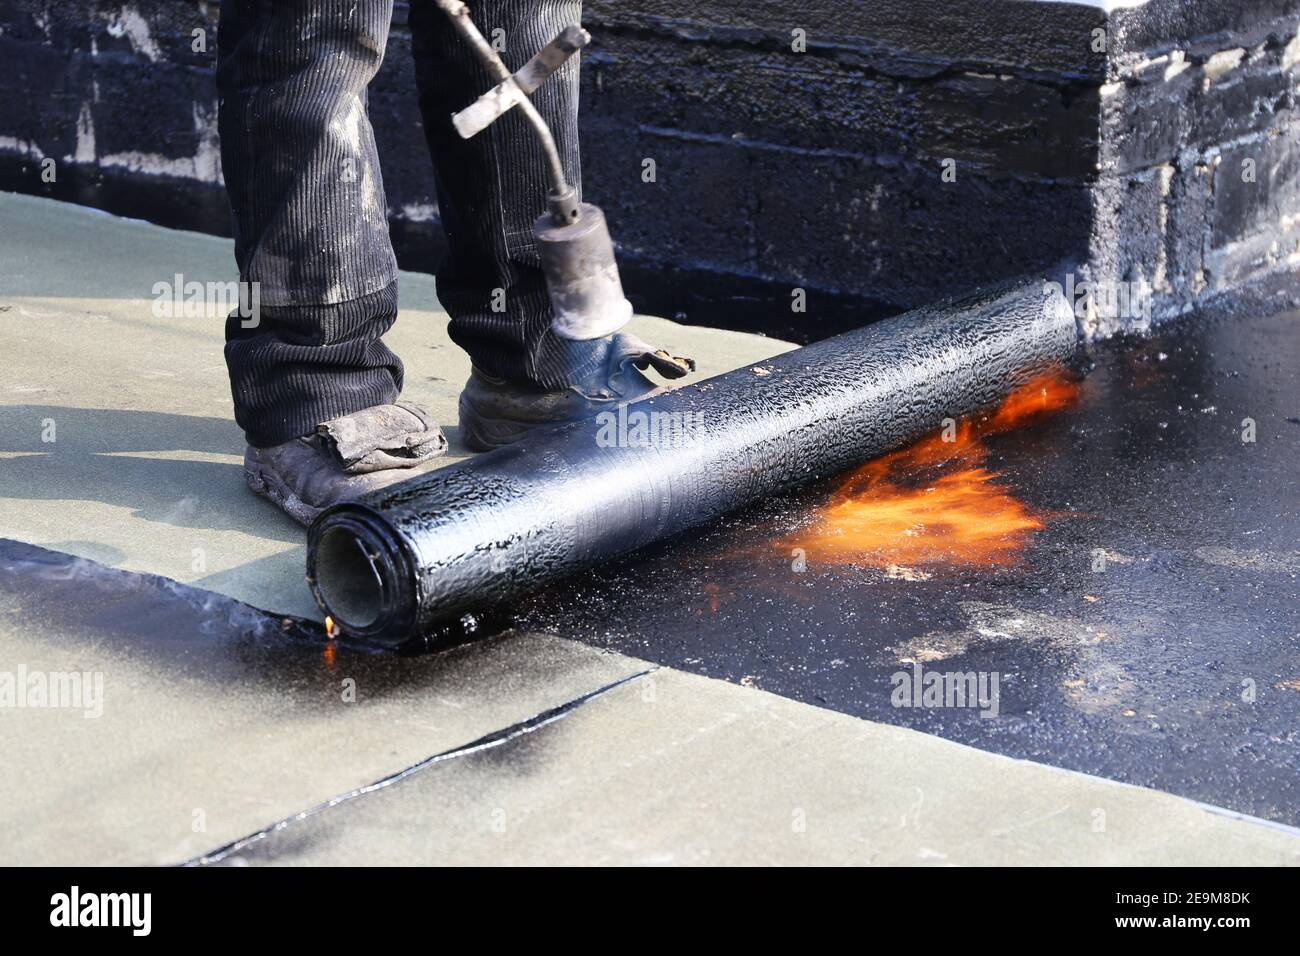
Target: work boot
{"x": 605, "y": 373}
{"x": 346, "y": 457}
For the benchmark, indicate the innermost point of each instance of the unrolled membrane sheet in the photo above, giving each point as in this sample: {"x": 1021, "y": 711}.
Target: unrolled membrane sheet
{"x": 492, "y": 528}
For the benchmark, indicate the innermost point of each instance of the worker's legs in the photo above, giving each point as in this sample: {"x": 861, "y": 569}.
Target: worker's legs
{"x": 299, "y": 160}
{"x": 313, "y": 384}
{"x": 492, "y": 188}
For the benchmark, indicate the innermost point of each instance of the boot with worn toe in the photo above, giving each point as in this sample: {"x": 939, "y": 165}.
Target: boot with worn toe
{"x": 605, "y": 373}
{"x": 345, "y": 458}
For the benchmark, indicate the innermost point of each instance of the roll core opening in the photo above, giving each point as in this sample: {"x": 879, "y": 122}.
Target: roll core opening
{"x": 348, "y": 580}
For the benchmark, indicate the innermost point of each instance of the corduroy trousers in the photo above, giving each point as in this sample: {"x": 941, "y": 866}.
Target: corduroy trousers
{"x": 310, "y": 218}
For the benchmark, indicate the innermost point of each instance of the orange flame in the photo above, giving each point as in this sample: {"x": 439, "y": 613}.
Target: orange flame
{"x": 934, "y": 502}
{"x": 331, "y": 649}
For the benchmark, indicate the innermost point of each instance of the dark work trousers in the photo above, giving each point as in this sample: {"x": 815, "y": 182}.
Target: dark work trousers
{"x": 310, "y": 218}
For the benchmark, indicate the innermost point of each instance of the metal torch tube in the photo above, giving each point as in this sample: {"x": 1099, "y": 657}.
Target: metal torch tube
{"x": 460, "y": 18}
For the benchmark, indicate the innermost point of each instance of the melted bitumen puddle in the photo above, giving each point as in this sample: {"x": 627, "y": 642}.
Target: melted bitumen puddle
{"x": 1149, "y": 633}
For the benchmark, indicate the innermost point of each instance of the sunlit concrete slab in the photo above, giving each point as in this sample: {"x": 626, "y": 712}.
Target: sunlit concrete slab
{"x": 117, "y": 440}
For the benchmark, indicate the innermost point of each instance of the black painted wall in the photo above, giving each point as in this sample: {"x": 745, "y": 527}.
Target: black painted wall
{"x": 775, "y": 168}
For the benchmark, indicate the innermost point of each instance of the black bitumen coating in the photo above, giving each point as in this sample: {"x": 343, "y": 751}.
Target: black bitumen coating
{"x": 1140, "y": 673}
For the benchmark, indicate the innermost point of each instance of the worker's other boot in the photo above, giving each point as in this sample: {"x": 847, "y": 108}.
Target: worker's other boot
{"x": 605, "y": 373}
{"x": 345, "y": 458}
